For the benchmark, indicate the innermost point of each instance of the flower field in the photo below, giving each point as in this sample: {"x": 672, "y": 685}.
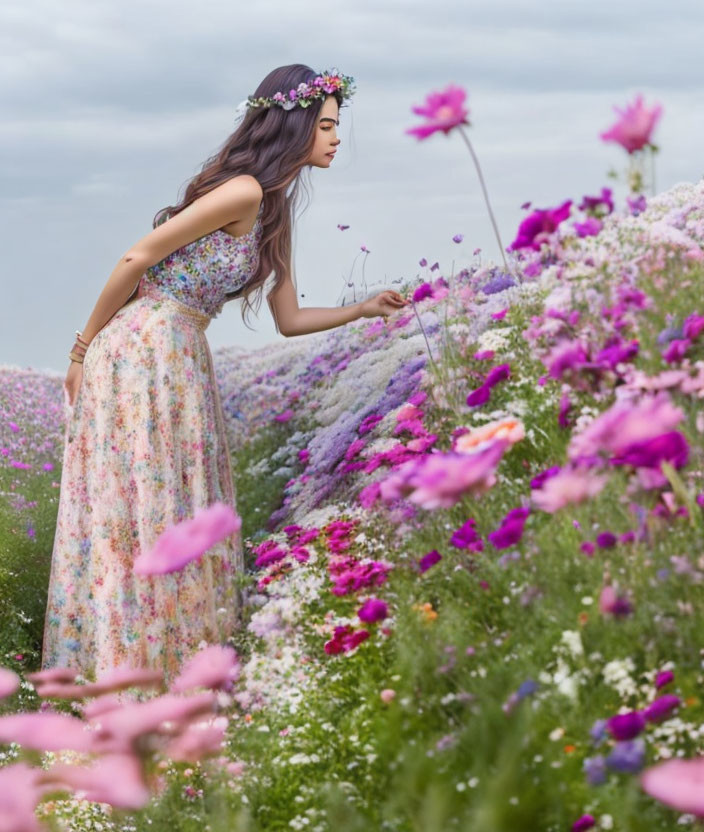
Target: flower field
{"x": 475, "y": 559}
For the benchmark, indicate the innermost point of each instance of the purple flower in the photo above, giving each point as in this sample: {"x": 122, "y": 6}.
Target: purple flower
{"x": 373, "y": 609}
{"x": 425, "y": 290}
{"x": 598, "y": 731}
{"x": 466, "y": 537}
{"x": 637, "y": 205}
{"x": 458, "y": 238}
{"x": 527, "y": 688}
{"x": 676, "y": 350}
{"x": 693, "y": 326}
{"x": 429, "y": 560}
{"x": 605, "y": 540}
{"x": 479, "y": 396}
{"x": 565, "y": 407}
{"x": 498, "y": 284}
{"x": 590, "y": 203}
{"x": 649, "y": 453}
{"x": 497, "y": 374}
{"x": 589, "y": 228}
{"x": 626, "y": 726}
{"x": 539, "y": 479}
{"x": 595, "y": 770}
{"x": 537, "y": 227}
{"x": 511, "y": 529}
{"x": 585, "y": 822}
{"x": 663, "y": 678}
{"x": 627, "y": 757}
{"x": 661, "y": 708}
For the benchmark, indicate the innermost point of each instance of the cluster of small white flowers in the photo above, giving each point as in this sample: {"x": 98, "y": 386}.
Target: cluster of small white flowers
{"x": 617, "y": 674}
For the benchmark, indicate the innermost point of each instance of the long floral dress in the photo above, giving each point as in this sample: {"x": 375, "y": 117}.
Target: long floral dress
{"x": 145, "y": 447}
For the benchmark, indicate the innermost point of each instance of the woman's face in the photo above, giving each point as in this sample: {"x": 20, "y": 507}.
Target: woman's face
{"x": 326, "y": 140}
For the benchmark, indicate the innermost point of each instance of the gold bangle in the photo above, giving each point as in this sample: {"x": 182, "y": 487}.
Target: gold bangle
{"x": 79, "y": 348}
{"x": 74, "y": 357}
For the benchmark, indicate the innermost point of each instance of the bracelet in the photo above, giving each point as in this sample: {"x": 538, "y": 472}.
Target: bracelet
{"x": 79, "y": 348}
{"x": 74, "y": 357}
{"x": 82, "y": 340}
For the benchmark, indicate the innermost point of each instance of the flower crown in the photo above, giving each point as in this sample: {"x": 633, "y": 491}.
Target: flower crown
{"x": 328, "y": 82}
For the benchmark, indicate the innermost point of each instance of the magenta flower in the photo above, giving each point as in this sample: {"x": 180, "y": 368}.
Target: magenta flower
{"x": 429, "y": 560}
{"x": 693, "y": 326}
{"x": 595, "y": 203}
{"x": 511, "y": 529}
{"x": 583, "y": 823}
{"x": 663, "y": 678}
{"x": 678, "y": 784}
{"x": 635, "y": 125}
{"x": 466, "y": 537}
{"x": 662, "y": 707}
{"x": 373, "y": 609}
{"x": 425, "y": 290}
{"x": 479, "y": 396}
{"x": 443, "y": 110}
{"x": 345, "y": 639}
{"x": 676, "y": 350}
{"x": 458, "y": 238}
{"x": 284, "y": 416}
{"x": 538, "y": 227}
{"x": 589, "y": 228}
{"x": 188, "y": 540}
{"x": 626, "y": 726}
{"x": 671, "y": 447}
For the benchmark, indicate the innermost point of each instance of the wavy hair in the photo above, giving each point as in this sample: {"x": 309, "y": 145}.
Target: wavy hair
{"x": 272, "y": 145}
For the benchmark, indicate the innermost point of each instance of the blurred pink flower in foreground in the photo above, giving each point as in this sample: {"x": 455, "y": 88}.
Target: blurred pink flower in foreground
{"x": 570, "y": 485}
{"x": 186, "y": 541}
{"x": 626, "y": 423}
{"x": 215, "y": 667}
{"x": 677, "y": 783}
{"x": 116, "y": 779}
{"x": 443, "y": 111}
{"x": 9, "y": 682}
{"x": 439, "y": 480}
{"x": 635, "y": 125}
{"x": 20, "y": 791}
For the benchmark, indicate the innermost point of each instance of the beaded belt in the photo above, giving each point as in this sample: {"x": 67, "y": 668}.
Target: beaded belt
{"x": 200, "y": 319}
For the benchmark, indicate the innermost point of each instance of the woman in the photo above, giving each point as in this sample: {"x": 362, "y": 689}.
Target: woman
{"x": 145, "y": 444}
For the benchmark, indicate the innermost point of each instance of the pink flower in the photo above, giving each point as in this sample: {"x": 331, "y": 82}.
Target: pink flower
{"x": 188, "y": 540}
{"x": 677, "y": 783}
{"x": 439, "y": 480}
{"x": 215, "y": 667}
{"x": 589, "y": 228}
{"x": 284, "y": 416}
{"x": 625, "y": 423}
{"x": 119, "y": 728}
{"x": 387, "y": 695}
{"x": 9, "y": 682}
{"x": 635, "y": 125}
{"x": 20, "y": 791}
{"x": 116, "y": 779}
{"x": 537, "y": 228}
{"x": 443, "y": 110}
{"x": 119, "y": 678}
{"x": 45, "y": 731}
{"x": 200, "y": 739}
{"x": 570, "y": 485}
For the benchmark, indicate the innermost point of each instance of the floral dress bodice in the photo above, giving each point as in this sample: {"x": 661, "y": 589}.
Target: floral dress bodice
{"x": 204, "y": 272}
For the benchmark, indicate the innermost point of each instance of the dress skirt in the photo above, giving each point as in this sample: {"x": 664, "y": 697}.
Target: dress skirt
{"x": 145, "y": 447}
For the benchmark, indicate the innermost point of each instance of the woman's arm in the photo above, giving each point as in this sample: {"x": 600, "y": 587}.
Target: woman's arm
{"x": 290, "y": 319}
{"x": 235, "y": 199}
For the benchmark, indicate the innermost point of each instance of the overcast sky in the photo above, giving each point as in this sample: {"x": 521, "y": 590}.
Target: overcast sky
{"x": 110, "y": 106}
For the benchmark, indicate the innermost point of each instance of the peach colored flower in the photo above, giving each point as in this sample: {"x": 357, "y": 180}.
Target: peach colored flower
{"x": 511, "y": 430}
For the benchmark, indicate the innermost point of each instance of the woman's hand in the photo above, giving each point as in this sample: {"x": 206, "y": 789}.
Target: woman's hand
{"x": 72, "y": 384}
{"x": 382, "y": 304}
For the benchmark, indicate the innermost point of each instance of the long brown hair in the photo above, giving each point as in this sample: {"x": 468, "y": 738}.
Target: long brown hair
{"x": 271, "y": 145}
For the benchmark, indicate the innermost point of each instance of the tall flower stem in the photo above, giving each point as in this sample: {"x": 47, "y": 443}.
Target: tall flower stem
{"x": 486, "y": 196}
